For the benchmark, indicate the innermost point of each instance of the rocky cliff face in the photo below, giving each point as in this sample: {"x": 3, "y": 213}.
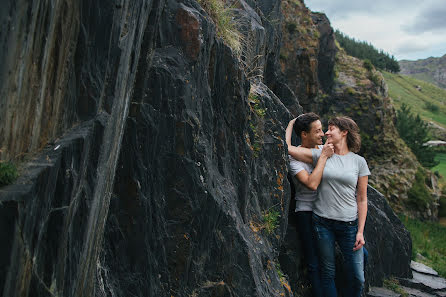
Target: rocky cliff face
{"x": 432, "y": 70}
{"x": 153, "y": 155}
{"x": 329, "y": 82}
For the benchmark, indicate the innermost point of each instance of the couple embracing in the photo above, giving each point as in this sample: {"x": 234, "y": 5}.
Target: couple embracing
{"x": 331, "y": 200}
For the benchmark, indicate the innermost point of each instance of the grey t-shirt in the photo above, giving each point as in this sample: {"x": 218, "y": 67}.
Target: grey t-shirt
{"x": 337, "y": 190}
{"x": 304, "y": 196}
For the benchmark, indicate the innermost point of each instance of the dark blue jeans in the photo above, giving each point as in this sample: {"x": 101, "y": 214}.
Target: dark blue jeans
{"x": 327, "y": 232}
{"x": 308, "y": 240}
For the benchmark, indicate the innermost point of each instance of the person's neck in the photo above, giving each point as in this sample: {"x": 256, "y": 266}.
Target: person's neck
{"x": 341, "y": 148}
{"x": 308, "y": 145}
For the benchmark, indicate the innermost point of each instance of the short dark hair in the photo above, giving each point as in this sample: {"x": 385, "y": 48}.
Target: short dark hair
{"x": 303, "y": 122}
{"x": 353, "y": 136}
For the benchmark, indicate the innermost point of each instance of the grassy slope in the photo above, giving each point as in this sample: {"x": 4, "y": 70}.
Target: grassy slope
{"x": 429, "y": 239}
{"x": 402, "y": 90}
{"x": 441, "y": 167}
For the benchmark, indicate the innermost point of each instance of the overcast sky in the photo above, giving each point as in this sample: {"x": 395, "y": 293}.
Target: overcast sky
{"x": 408, "y": 29}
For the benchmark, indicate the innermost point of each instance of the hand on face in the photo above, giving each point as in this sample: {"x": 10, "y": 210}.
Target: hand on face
{"x": 328, "y": 149}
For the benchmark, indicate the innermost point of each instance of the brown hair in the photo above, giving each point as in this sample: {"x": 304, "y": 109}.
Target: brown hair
{"x": 304, "y": 121}
{"x": 353, "y": 136}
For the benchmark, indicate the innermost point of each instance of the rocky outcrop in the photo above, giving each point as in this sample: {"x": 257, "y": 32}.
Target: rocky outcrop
{"x": 432, "y": 70}
{"x": 425, "y": 283}
{"x": 390, "y": 249}
{"x": 153, "y": 159}
{"x": 201, "y": 162}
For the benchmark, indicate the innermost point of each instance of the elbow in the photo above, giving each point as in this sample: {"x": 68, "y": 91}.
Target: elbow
{"x": 312, "y": 187}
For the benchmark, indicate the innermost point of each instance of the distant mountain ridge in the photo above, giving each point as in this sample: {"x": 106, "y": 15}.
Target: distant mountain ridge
{"x": 432, "y": 70}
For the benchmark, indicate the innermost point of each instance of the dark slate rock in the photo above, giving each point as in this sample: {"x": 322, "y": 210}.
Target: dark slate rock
{"x": 327, "y": 51}
{"x": 424, "y": 282}
{"x": 416, "y": 293}
{"x": 48, "y": 213}
{"x": 421, "y": 268}
{"x": 387, "y": 240}
{"x": 177, "y": 154}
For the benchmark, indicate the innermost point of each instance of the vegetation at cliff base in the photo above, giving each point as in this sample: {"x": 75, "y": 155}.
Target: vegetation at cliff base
{"x": 419, "y": 195}
{"x": 393, "y": 284}
{"x": 366, "y": 51}
{"x": 8, "y": 173}
{"x": 415, "y": 132}
{"x": 428, "y": 240}
{"x": 441, "y": 167}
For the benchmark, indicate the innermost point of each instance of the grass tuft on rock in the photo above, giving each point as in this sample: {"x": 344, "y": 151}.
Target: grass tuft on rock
{"x": 8, "y": 173}
{"x": 271, "y": 220}
{"x": 225, "y": 24}
{"x": 393, "y": 284}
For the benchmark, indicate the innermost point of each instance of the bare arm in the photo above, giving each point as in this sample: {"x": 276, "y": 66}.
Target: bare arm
{"x": 297, "y": 152}
{"x": 361, "y": 200}
{"x": 313, "y": 180}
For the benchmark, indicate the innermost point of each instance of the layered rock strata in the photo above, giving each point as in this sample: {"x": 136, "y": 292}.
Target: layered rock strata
{"x": 153, "y": 155}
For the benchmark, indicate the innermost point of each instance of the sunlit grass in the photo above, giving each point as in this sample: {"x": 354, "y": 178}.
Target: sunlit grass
{"x": 429, "y": 240}
{"x": 402, "y": 89}
{"x": 441, "y": 167}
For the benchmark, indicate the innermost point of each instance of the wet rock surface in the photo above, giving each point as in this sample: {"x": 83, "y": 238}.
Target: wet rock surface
{"x": 421, "y": 268}
{"x": 424, "y": 283}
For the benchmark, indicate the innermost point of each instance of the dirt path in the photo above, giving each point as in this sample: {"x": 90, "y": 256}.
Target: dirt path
{"x": 442, "y": 221}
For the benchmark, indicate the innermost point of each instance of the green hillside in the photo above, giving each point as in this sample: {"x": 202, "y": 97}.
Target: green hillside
{"x": 427, "y": 100}
{"x": 424, "y": 99}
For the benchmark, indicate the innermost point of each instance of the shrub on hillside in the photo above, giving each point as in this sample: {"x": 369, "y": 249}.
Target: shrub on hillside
{"x": 432, "y": 107}
{"x": 368, "y": 65}
{"x": 419, "y": 195}
{"x": 415, "y": 132}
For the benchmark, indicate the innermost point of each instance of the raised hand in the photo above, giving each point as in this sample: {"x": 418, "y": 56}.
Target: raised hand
{"x": 328, "y": 149}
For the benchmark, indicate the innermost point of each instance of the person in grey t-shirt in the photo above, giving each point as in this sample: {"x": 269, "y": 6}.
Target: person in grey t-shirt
{"x": 340, "y": 211}
{"x": 306, "y": 178}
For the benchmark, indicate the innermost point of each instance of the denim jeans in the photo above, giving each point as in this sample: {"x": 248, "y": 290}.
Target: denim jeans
{"x": 327, "y": 232}
{"x": 308, "y": 240}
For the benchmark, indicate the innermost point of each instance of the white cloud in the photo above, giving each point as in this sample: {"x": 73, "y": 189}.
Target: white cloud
{"x": 409, "y": 30}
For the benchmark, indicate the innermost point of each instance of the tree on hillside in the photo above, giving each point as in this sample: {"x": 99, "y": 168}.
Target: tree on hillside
{"x": 363, "y": 50}
{"x": 415, "y": 132}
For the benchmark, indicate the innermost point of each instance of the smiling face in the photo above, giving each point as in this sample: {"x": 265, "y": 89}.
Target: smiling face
{"x": 334, "y": 134}
{"x": 314, "y": 136}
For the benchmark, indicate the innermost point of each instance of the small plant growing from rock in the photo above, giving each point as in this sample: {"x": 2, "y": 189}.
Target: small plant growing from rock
{"x": 392, "y": 284}
{"x": 291, "y": 27}
{"x": 8, "y": 173}
{"x": 374, "y": 78}
{"x": 271, "y": 220}
{"x": 261, "y": 112}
